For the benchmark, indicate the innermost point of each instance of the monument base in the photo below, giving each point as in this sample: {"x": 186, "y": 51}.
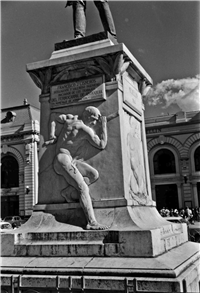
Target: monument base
{"x": 141, "y": 251}
{"x": 129, "y": 226}
{"x": 43, "y": 236}
{"x": 46, "y": 255}
{"x": 85, "y": 40}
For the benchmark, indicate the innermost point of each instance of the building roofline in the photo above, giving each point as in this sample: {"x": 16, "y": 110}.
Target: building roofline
{"x": 165, "y": 118}
{"x": 19, "y": 107}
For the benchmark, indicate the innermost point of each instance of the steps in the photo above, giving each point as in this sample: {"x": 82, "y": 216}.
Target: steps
{"x": 59, "y": 248}
{"x": 43, "y": 236}
{"x": 83, "y": 243}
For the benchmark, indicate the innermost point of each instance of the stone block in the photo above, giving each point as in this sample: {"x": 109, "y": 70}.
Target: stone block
{"x": 80, "y": 248}
{"x": 7, "y": 244}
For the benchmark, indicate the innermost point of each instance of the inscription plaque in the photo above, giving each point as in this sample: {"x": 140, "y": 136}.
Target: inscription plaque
{"x": 78, "y": 92}
{"x": 131, "y": 96}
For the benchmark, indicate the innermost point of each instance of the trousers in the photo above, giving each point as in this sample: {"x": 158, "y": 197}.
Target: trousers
{"x": 79, "y": 17}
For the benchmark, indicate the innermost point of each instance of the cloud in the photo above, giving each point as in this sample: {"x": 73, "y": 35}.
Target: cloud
{"x": 183, "y": 92}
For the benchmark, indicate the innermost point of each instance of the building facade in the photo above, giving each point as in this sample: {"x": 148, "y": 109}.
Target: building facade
{"x": 19, "y": 159}
{"x": 173, "y": 143}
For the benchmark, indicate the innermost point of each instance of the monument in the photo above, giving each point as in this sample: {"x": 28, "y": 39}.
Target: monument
{"x": 95, "y": 227}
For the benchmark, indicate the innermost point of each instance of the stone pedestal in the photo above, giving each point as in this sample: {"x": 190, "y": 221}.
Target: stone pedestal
{"x": 111, "y": 79}
{"x": 140, "y": 251}
{"x": 107, "y": 76}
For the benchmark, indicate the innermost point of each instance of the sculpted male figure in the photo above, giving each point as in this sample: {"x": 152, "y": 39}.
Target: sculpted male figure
{"x": 78, "y": 174}
{"x": 79, "y": 17}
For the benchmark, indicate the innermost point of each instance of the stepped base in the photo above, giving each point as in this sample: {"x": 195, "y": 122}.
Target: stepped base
{"x": 175, "y": 271}
{"x": 42, "y": 235}
{"x": 48, "y": 256}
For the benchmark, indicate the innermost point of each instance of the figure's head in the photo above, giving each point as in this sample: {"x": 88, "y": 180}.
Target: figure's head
{"x": 91, "y": 115}
{"x": 10, "y": 116}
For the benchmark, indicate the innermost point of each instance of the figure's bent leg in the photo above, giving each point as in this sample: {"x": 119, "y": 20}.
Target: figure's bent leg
{"x": 64, "y": 166}
{"x": 89, "y": 173}
{"x": 106, "y": 17}
{"x": 79, "y": 18}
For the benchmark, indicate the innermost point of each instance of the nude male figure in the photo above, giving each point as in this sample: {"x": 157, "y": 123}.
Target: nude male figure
{"x": 78, "y": 174}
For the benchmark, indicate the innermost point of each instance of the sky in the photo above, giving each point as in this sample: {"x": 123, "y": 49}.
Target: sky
{"x": 162, "y": 35}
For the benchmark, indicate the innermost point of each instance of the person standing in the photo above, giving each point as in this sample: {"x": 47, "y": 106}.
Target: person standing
{"x": 79, "y": 17}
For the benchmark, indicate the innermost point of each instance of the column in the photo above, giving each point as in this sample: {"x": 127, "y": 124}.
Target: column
{"x": 180, "y": 198}
{"x": 195, "y": 194}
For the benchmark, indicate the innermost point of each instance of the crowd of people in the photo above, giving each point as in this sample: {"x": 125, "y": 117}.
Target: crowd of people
{"x": 189, "y": 214}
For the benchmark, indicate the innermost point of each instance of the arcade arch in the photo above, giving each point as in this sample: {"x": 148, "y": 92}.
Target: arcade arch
{"x": 165, "y": 176}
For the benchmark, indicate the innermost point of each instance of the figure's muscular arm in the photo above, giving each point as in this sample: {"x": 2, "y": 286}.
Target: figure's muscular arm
{"x": 56, "y": 119}
{"x": 94, "y": 140}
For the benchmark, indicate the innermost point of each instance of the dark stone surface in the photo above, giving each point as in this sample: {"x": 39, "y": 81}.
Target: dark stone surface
{"x": 85, "y": 40}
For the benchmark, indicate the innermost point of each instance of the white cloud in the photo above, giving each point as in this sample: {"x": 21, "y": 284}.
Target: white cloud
{"x": 183, "y": 92}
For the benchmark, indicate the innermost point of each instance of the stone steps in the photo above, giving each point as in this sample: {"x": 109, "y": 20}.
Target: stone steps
{"x": 42, "y": 235}
{"x": 108, "y": 236}
{"x": 94, "y": 243}
{"x": 82, "y": 243}
{"x": 59, "y": 248}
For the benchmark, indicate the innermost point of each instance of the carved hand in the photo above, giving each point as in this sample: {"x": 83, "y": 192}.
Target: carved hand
{"x": 53, "y": 140}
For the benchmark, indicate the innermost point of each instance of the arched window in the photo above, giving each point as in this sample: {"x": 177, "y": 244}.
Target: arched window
{"x": 197, "y": 159}
{"x": 9, "y": 172}
{"x": 164, "y": 162}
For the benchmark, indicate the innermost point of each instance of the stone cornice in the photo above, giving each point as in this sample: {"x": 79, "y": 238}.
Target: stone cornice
{"x": 17, "y": 139}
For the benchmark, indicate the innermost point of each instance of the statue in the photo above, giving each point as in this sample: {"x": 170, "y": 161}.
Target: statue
{"x": 68, "y": 162}
{"x": 79, "y": 17}
{"x": 10, "y": 117}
